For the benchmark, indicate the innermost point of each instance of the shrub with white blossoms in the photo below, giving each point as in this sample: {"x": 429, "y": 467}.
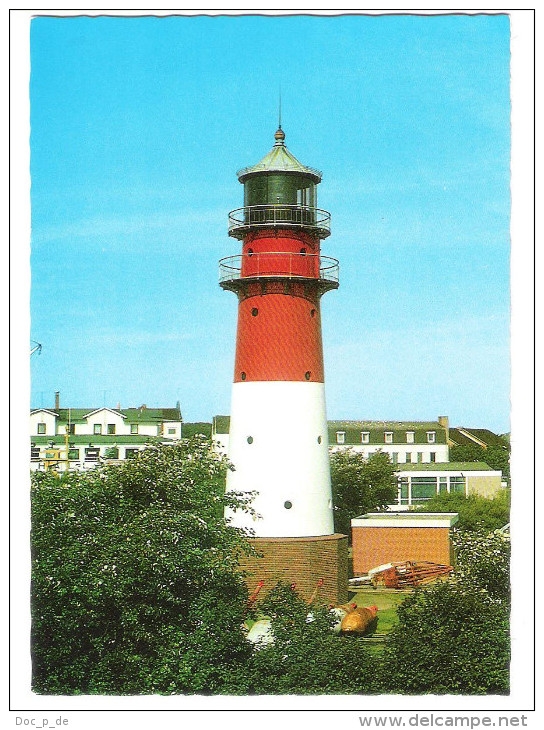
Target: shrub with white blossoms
{"x": 483, "y": 559}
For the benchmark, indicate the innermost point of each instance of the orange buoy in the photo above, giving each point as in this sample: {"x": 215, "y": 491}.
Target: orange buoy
{"x": 358, "y": 621}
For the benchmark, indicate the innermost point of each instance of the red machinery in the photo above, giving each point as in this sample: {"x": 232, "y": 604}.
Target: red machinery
{"x": 407, "y": 574}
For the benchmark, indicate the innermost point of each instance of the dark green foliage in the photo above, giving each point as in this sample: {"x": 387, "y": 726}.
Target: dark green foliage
{"x": 306, "y": 656}
{"x": 133, "y": 583}
{"x": 494, "y": 456}
{"x": 451, "y": 639}
{"x": 475, "y": 512}
{"x": 360, "y": 485}
{"x": 188, "y": 430}
{"x": 135, "y": 591}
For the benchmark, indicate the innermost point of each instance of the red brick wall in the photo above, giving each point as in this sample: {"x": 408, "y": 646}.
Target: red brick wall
{"x": 373, "y": 546}
{"x": 301, "y": 560}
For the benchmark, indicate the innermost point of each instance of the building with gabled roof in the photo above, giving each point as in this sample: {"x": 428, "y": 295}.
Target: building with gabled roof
{"x": 79, "y": 438}
{"x": 476, "y": 437}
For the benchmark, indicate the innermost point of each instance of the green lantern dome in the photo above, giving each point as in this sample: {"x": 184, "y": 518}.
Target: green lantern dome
{"x": 279, "y": 159}
{"x": 279, "y": 192}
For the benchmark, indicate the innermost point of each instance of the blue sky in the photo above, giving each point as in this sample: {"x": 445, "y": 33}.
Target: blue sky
{"x": 138, "y": 126}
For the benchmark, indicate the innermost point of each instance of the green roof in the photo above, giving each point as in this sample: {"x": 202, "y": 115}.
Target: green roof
{"x": 114, "y": 439}
{"x": 482, "y": 434}
{"x": 377, "y": 429}
{"x": 446, "y": 466}
{"x": 132, "y": 415}
{"x": 352, "y": 430}
{"x": 279, "y": 159}
{"x": 386, "y": 425}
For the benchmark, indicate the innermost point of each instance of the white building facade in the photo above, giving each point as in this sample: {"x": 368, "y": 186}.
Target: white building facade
{"x": 80, "y": 438}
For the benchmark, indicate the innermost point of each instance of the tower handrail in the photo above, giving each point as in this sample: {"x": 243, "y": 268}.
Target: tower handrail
{"x": 279, "y": 214}
{"x": 269, "y": 264}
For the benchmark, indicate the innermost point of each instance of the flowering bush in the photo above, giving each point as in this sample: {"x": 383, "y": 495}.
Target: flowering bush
{"x": 483, "y": 560}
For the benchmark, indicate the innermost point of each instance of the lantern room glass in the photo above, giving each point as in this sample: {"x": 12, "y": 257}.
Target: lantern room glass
{"x": 280, "y": 189}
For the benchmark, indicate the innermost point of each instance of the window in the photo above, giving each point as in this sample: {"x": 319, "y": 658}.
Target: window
{"x": 409, "y": 437}
{"x": 432, "y": 457}
{"x": 133, "y": 428}
{"x": 419, "y": 457}
{"x": 172, "y": 431}
{"x": 457, "y": 485}
{"x": 92, "y": 453}
{"x": 443, "y": 485}
{"x": 111, "y": 428}
{"x": 408, "y": 457}
{"x": 41, "y": 428}
{"x": 388, "y": 435}
{"x": 71, "y": 428}
{"x": 34, "y": 453}
{"x": 395, "y": 457}
{"x": 130, "y": 453}
{"x": 73, "y": 454}
{"x": 340, "y": 437}
{"x": 97, "y": 429}
{"x": 403, "y": 490}
{"x": 111, "y": 453}
{"x": 365, "y": 437}
{"x": 431, "y": 437}
{"x": 423, "y": 488}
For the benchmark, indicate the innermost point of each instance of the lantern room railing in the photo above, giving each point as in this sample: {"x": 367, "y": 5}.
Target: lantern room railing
{"x": 233, "y": 270}
{"x": 314, "y": 220}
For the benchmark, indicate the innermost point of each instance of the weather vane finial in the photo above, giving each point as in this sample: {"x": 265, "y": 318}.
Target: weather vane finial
{"x": 280, "y": 134}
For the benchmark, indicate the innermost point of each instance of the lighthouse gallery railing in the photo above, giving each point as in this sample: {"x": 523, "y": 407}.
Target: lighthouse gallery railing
{"x": 262, "y": 216}
{"x": 278, "y": 264}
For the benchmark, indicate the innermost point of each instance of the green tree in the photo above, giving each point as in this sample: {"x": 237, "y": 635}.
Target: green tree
{"x": 494, "y": 456}
{"x": 306, "y": 657}
{"x": 451, "y": 639}
{"x": 134, "y": 581}
{"x": 475, "y": 512}
{"x": 360, "y": 485}
{"x": 188, "y": 430}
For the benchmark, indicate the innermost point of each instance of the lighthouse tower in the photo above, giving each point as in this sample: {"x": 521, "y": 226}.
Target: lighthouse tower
{"x": 278, "y": 440}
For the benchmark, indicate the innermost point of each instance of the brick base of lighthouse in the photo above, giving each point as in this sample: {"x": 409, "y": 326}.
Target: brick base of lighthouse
{"x": 300, "y": 560}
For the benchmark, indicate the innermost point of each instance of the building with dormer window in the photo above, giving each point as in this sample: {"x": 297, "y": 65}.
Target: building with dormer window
{"x": 420, "y": 449}
{"x": 79, "y": 438}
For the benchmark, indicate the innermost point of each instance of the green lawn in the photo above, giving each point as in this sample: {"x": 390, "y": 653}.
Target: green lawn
{"x": 387, "y": 601}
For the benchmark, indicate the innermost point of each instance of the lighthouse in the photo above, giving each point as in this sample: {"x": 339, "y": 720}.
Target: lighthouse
{"x": 278, "y": 442}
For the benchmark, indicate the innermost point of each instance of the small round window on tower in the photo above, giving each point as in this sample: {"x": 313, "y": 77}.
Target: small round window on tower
{"x": 250, "y": 252}
{"x": 303, "y": 251}
{"x": 288, "y": 504}
{"x": 307, "y": 375}
{"x": 254, "y": 312}
{"x": 243, "y": 376}
{"x": 312, "y": 313}
{"x": 319, "y": 439}
{"x": 250, "y": 439}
